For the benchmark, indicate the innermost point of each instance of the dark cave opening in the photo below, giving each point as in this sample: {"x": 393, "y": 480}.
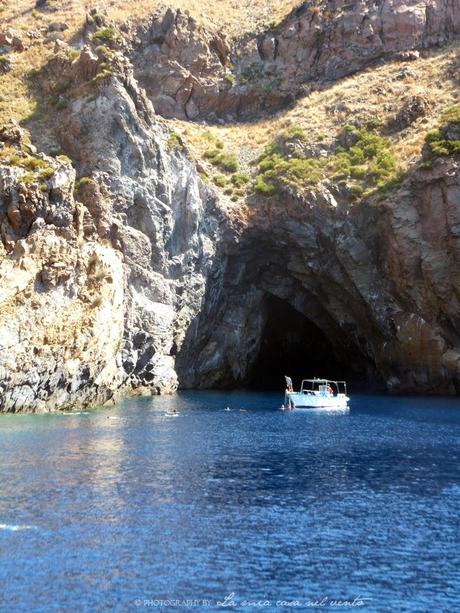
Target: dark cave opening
{"x": 293, "y": 345}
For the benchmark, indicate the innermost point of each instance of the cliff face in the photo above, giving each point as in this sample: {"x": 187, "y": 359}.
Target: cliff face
{"x": 191, "y": 73}
{"x": 139, "y": 277}
{"x": 379, "y": 282}
{"x": 96, "y": 295}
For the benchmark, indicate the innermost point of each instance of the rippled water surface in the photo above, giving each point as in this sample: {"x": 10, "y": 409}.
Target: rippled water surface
{"x": 117, "y": 510}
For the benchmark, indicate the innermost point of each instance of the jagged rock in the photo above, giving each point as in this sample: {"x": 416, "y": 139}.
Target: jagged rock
{"x": 87, "y": 63}
{"x": 412, "y": 109}
{"x": 11, "y": 133}
{"x": 312, "y": 43}
{"x": 11, "y": 38}
{"x": 134, "y": 283}
{"x": 403, "y": 74}
{"x": 57, "y": 26}
{"x": 357, "y": 278}
{"x": 157, "y": 231}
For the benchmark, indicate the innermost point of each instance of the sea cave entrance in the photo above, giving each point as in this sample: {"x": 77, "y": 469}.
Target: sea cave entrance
{"x": 293, "y": 345}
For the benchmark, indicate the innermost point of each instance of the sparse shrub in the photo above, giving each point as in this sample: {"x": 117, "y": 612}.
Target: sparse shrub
{"x": 293, "y": 132}
{"x": 47, "y": 173}
{"x": 104, "y": 52}
{"x": 73, "y": 53}
{"x": 227, "y": 161}
{"x": 355, "y": 190}
{"x": 365, "y": 167}
{"x": 219, "y": 180}
{"x": 209, "y": 136}
{"x": 174, "y": 141}
{"x": 239, "y": 179}
{"x": 210, "y": 154}
{"x": 82, "y": 181}
{"x": 261, "y": 186}
{"x": 28, "y": 178}
{"x": 452, "y": 115}
{"x": 107, "y": 34}
{"x": 32, "y": 163}
{"x": 440, "y": 142}
{"x": 64, "y": 159}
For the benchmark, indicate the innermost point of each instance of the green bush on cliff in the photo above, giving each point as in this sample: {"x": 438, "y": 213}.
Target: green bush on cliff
{"x": 226, "y": 161}
{"x": 363, "y": 167}
{"x": 81, "y": 182}
{"x": 46, "y": 173}
{"x": 210, "y": 154}
{"x": 452, "y": 115}
{"x": 239, "y": 179}
{"x": 174, "y": 141}
{"x": 445, "y": 141}
{"x": 32, "y": 163}
{"x": 219, "y": 180}
{"x": 106, "y": 34}
{"x": 263, "y": 187}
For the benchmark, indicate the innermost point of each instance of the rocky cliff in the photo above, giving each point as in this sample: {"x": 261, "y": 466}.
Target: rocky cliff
{"x": 189, "y": 72}
{"x": 123, "y": 271}
{"x": 97, "y": 293}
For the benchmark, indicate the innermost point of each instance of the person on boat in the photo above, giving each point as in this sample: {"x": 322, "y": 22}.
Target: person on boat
{"x": 289, "y": 383}
{"x": 330, "y": 391}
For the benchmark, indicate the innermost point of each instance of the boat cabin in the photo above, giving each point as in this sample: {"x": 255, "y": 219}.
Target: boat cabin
{"x": 323, "y": 387}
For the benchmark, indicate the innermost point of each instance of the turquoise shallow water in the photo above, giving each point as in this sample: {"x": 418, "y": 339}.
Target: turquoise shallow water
{"x": 119, "y": 510}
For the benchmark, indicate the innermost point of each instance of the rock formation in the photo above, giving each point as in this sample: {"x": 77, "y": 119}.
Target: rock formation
{"x": 191, "y": 73}
{"x": 380, "y": 282}
{"x": 136, "y": 277}
{"x": 109, "y": 293}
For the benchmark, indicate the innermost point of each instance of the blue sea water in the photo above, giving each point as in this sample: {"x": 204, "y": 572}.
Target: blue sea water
{"x": 132, "y": 509}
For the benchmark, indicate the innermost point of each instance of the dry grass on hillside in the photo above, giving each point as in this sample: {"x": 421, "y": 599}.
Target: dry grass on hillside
{"x": 234, "y": 17}
{"x": 377, "y": 93}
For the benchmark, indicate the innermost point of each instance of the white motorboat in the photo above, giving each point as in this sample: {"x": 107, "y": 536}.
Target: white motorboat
{"x": 316, "y": 394}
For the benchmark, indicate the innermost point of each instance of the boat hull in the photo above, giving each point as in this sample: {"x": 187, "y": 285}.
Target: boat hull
{"x": 297, "y": 400}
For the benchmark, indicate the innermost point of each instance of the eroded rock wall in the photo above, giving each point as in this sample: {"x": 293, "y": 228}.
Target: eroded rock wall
{"x": 189, "y": 72}
{"x": 381, "y": 281}
{"x": 99, "y": 291}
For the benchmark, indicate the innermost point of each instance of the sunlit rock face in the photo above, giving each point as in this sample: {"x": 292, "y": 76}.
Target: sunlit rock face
{"x": 57, "y": 292}
{"x": 190, "y": 72}
{"x": 98, "y": 289}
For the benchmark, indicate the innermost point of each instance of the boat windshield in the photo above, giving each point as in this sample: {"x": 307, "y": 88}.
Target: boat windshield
{"x": 323, "y": 385}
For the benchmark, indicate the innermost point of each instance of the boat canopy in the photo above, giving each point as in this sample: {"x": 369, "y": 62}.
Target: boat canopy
{"x": 320, "y": 383}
